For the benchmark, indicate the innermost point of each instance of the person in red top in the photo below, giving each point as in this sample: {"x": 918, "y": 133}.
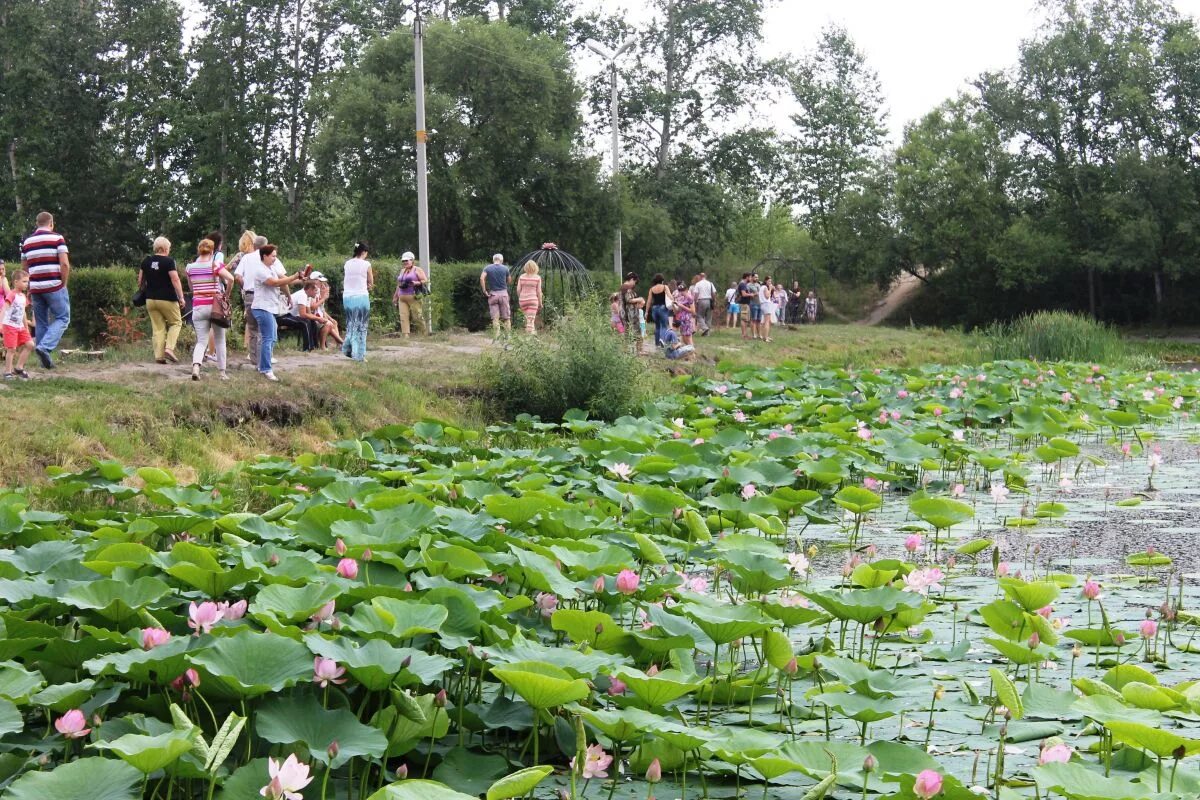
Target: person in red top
{"x": 44, "y": 256}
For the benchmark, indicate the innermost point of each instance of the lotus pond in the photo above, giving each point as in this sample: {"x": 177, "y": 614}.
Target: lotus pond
{"x": 790, "y": 583}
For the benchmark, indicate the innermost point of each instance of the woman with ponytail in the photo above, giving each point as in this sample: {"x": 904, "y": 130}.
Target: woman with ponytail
{"x": 357, "y": 283}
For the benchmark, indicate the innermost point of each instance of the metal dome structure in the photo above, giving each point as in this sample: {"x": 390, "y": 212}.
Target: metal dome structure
{"x": 564, "y": 277}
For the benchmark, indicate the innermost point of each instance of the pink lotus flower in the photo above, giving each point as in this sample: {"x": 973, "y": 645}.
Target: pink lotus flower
{"x": 922, "y": 581}
{"x": 1126, "y": 449}
{"x": 627, "y": 581}
{"x": 324, "y": 613}
{"x": 958, "y": 436}
{"x": 1034, "y": 641}
{"x": 202, "y": 617}
{"x": 695, "y": 583}
{"x": 1155, "y": 460}
{"x": 937, "y": 411}
{"x": 864, "y": 433}
{"x": 903, "y": 393}
{"x": 1045, "y": 611}
{"x": 956, "y": 393}
{"x": 340, "y": 547}
{"x": 348, "y": 568}
{"x": 72, "y": 724}
{"x": 616, "y": 686}
{"x": 739, "y": 416}
{"x": 652, "y": 671}
{"x": 598, "y": 586}
{"x": 722, "y": 389}
{"x": 654, "y": 772}
{"x": 999, "y": 492}
{"x": 1148, "y": 628}
{"x": 958, "y": 491}
{"x": 1002, "y": 569}
{"x": 912, "y": 542}
{"x": 872, "y": 483}
{"x": 327, "y": 671}
{"x": 153, "y": 637}
{"x": 188, "y": 678}
{"x": 927, "y": 785}
{"x": 621, "y": 470}
{"x": 1091, "y": 590}
{"x": 1055, "y": 754}
{"x": 233, "y": 612}
{"x": 798, "y": 563}
{"x": 1066, "y": 397}
{"x": 748, "y": 491}
{"x": 595, "y": 764}
{"x": 287, "y": 779}
{"x": 697, "y": 441}
{"x": 546, "y": 603}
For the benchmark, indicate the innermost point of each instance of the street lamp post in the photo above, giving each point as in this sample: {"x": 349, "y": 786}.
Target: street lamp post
{"x": 422, "y": 165}
{"x": 611, "y": 57}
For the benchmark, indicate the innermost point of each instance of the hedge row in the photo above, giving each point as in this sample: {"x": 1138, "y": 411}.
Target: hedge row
{"x": 456, "y": 301}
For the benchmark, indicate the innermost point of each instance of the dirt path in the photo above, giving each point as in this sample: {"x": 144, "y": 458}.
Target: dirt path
{"x": 386, "y": 350}
{"x": 902, "y": 289}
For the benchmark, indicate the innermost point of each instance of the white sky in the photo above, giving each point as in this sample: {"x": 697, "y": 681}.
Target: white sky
{"x": 924, "y": 51}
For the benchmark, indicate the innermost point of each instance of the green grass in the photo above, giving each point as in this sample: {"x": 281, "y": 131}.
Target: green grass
{"x": 839, "y": 345}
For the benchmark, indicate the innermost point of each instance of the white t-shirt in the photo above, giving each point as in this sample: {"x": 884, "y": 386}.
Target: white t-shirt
{"x": 729, "y": 293}
{"x": 266, "y": 298}
{"x": 299, "y": 299}
{"x": 354, "y": 282}
{"x": 704, "y": 290}
{"x": 14, "y": 316}
{"x": 244, "y": 264}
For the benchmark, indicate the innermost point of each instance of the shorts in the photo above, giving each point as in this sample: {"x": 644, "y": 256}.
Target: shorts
{"x": 755, "y": 312}
{"x": 498, "y": 305}
{"x": 16, "y": 337}
{"x": 734, "y": 308}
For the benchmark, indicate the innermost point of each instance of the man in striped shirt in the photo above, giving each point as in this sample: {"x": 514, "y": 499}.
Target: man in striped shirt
{"x": 44, "y": 256}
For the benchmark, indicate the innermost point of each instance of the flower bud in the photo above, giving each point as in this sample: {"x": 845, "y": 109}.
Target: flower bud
{"x": 273, "y": 561}
{"x": 791, "y": 668}
{"x": 402, "y": 772}
{"x": 939, "y": 692}
{"x": 406, "y": 662}
{"x": 439, "y": 699}
{"x": 654, "y": 771}
{"x": 870, "y": 764}
{"x": 1034, "y": 641}
{"x": 333, "y": 750}
{"x": 339, "y": 547}
{"x": 367, "y": 555}
{"x": 351, "y": 504}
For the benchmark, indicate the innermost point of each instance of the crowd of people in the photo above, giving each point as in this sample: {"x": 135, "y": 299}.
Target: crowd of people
{"x": 678, "y": 310}
{"x": 273, "y": 300}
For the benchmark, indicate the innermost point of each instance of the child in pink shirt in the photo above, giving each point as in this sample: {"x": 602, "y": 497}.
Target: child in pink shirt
{"x": 18, "y": 343}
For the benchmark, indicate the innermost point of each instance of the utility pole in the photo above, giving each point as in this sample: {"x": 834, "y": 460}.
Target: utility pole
{"x": 422, "y": 166}
{"x": 611, "y": 57}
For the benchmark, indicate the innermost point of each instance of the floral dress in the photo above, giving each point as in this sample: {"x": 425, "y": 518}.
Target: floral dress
{"x": 685, "y": 312}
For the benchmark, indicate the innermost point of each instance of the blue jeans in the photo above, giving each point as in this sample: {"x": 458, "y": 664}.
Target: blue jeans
{"x": 756, "y": 314}
{"x": 269, "y": 331}
{"x": 51, "y": 315}
{"x": 662, "y": 321}
{"x": 358, "y": 311}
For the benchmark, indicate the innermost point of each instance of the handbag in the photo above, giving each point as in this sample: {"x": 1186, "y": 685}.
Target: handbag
{"x": 139, "y": 297}
{"x": 222, "y": 311}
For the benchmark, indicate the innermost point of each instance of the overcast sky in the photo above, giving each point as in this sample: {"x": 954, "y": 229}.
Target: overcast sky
{"x": 924, "y": 51}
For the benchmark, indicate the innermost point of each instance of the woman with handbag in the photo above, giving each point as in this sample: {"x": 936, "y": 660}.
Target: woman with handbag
{"x": 162, "y": 293}
{"x": 411, "y": 287}
{"x": 210, "y": 283}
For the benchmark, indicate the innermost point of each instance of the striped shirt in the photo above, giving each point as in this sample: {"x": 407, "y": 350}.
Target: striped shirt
{"x": 41, "y": 252}
{"x": 204, "y": 283}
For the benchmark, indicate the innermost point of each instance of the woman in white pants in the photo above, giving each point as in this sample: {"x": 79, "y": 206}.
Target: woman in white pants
{"x": 207, "y": 278}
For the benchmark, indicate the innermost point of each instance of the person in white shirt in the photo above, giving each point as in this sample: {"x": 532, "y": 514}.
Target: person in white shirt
{"x": 732, "y": 309}
{"x": 766, "y": 301}
{"x": 265, "y": 278}
{"x": 704, "y": 291}
{"x": 247, "y": 261}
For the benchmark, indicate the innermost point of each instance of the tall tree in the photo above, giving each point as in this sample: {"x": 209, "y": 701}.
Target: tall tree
{"x": 839, "y": 130}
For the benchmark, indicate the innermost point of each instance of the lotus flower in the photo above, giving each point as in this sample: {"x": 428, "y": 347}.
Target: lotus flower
{"x": 928, "y": 784}
{"x": 958, "y": 491}
{"x": 874, "y": 484}
{"x": 864, "y": 433}
{"x": 1055, "y": 754}
{"x": 202, "y": 617}
{"x": 598, "y": 585}
{"x": 327, "y": 671}
{"x": 546, "y": 603}
{"x": 739, "y": 416}
{"x": 748, "y": 491}
{"x": 348, "y": 568}
{"x": 340, "y": 547}
{"x": 595, "y": 764}
{"x": 654, "y": 772}
{"x": 153, "y": 637}
{"x": 799, "y": 563}
{"x": 621, "y": 470}
{"x": 1091, "y": 590}
{"x": 616, "y": 686}
{"x": 1155, "y": 460}
{"x": 1002, "y": 569}
{"x": 1148, "y": 628}
{"x": 922, "y": 581}
{"x": 233, "y": 611}
{"x": 72, "y": 724}
{"x": 324, "y": 613}
{"x": 999, "y": 492}
{"x": 912, "y": 542}
{"x": 287, "y": 779}
{"x": 627, "y": 581}
{"x": 696, "y": 583}
{"x": 958, "y": 436}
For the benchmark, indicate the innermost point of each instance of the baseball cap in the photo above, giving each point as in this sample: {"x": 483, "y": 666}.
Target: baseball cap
{"x": 408, "y": 256}
{"x": 318, "y": 276}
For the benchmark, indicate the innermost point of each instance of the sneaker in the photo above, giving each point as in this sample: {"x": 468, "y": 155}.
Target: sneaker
{"x": 195, "y": 372}
{"x": 44, "y": 357}
{"x": 9, "y": 376}
{"x": 270, "y": 376}
{"x": 209, "y": 357}
{"x": 22, "y": 374}
{"x": 224, "y": 376}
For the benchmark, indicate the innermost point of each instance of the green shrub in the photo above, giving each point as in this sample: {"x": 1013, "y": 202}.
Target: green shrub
{"x": 577, "y": 364}
{"x": 95, "y": 291}
{"x": 1054, "y": 336}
